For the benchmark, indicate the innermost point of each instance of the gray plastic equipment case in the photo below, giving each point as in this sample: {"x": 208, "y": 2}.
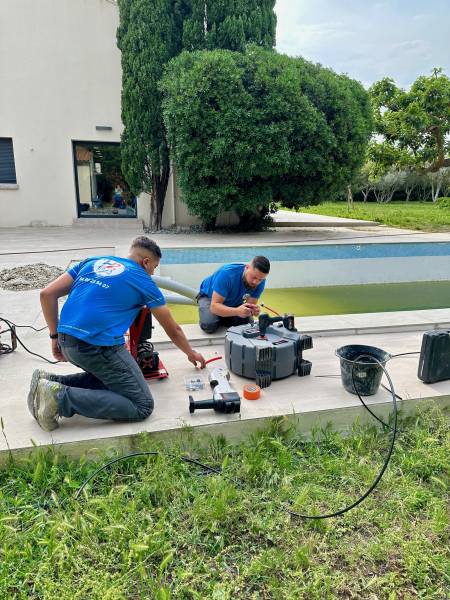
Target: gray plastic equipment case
{"x": 278, "y": 355}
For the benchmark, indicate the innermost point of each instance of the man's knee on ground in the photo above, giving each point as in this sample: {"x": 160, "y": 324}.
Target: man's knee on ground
{"x": 145, "y": 407}
{"x": 210, "y": 327}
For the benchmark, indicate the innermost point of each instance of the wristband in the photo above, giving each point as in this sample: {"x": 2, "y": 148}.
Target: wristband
{"x": 53, "y": 336}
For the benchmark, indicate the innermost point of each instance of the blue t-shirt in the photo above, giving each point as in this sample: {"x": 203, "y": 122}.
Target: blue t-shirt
{"x": 228, "y": 281}
{"x": 105, "y": 298}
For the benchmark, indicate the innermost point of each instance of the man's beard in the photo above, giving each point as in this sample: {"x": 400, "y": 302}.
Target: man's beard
{"x": 247, "y": 284}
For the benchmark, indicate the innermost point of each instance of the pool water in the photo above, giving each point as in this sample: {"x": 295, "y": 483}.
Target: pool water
{"x": 304, "y": 252}
{"x": 308, "y": 265}
{"x": 345, "y": 299}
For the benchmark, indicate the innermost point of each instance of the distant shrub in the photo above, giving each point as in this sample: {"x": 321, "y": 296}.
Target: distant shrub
{"x": 443, "y": 203}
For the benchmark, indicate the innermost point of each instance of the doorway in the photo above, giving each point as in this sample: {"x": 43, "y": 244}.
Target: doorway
{"x": 101, "y": 188}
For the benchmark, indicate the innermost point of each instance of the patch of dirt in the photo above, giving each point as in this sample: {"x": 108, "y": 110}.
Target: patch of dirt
{"x": 28, "y": 277}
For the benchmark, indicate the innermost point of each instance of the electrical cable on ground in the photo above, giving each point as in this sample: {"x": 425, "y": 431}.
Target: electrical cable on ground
{"x": 147, "y": 453}
{"x": 385, "y": 464}
{"x": 290, "y": 512}
{"x": 5, "y": 349}
{"x": 30, "y": 327}
{"x": 11, "y": 328}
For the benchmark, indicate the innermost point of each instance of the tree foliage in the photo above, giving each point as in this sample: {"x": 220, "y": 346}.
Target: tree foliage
{"x": 229, "y": 24}
{"x": 149, "y": 35}
{"x": 250, "y": 128}
{"x": 414, "y": 125}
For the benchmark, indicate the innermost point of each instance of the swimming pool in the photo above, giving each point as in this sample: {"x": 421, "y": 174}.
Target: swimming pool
{"x": 319, "y": 264}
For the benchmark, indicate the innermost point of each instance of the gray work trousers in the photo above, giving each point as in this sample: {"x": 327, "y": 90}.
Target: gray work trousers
{"x": 111, "y": 387}
{"x": 210, "y": 322}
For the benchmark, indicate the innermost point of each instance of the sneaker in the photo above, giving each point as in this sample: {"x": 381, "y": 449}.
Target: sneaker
{"x": 37, "y": 375}
{"x": 45, "y": 404}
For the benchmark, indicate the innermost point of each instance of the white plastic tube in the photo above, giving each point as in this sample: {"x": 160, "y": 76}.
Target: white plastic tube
{"x": 177, "y": 299}
{"x": 180, "y": 288}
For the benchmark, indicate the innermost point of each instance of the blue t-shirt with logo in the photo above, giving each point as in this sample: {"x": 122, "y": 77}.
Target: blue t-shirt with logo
{"x": 228, "y": 281}
{"x": 105, "y": 298}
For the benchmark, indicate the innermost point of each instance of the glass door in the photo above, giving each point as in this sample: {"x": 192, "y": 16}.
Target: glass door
{"x": 101, "y": 188}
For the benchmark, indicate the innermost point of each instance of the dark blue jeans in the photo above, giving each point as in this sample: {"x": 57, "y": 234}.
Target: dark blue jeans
{"x": 210, "y": 322}
{"x": 111, "y": 387}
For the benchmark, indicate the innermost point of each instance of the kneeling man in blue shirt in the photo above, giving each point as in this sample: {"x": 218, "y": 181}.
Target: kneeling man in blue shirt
{"x": 230, "y": 295}
{"x": 106, "y": 294}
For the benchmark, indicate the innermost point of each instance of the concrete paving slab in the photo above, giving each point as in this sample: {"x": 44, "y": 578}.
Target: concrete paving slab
{"x": 320, "y": 393}
{"x": 307, "y": 397}
{"x": 286, "y": 218}
{"x": 59, "y": 245}
{"x": 333, "y": 325}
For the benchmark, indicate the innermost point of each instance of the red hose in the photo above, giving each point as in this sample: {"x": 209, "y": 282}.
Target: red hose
{"x": 271, "y": 310}
{"x": 211, "y": 359}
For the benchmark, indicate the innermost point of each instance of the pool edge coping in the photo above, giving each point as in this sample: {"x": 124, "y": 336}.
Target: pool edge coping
{"x": 333, "y": 325}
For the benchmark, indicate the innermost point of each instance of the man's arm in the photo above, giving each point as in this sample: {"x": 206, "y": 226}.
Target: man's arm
{"x": 218, "y": 308}
{"x": 176, "y": 334}
{"x": 49, "y": 301}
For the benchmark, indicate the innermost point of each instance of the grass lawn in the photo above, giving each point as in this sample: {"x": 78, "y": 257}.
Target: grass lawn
{"x": 424, "y": 216}
{"x": 157, "y": 528}
{"x": 345, "y": 299}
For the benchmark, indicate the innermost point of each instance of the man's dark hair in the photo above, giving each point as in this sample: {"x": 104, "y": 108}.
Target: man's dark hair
{"x": 261, "y": 263}
{"x": 146, "y": 243}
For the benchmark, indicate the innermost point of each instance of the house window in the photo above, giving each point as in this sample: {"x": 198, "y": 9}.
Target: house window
{"x": 100, "y": 185}
{"x": 7, "y": 167}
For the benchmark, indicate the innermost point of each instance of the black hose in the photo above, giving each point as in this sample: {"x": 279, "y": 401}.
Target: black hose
{"x": 383, "y": 468}
{"x": 359, "y": 395}
{"x": 11, "y": 328}
{"x": 149, "y": 453}
{"x": 291, "y": 512}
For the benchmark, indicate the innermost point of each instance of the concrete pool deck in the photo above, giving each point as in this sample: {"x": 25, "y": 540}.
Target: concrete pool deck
{"x": 20, "y": 245}
{"x": 286, "y": 218}
{"x": 312, "y": 399}
{"x": 317, "y": 399}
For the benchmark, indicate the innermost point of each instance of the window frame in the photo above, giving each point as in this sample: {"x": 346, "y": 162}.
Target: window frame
{"x": 9, "y": 184}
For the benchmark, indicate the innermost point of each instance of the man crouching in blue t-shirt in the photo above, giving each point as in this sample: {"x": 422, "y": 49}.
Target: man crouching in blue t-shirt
{"x": 230, "y": 295}
{"x": 105, "y": 295}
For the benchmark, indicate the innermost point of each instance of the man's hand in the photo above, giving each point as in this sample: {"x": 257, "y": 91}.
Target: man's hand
{"x": 174, "y": 331}
{"x": 56, "y": 351}
{"x": 243, "y": 311}
{"x": 255, "y": 308}
{"x": 196, "y": 357}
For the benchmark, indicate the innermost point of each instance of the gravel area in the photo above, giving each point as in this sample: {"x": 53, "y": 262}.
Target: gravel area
{"x": 28, "y": 277}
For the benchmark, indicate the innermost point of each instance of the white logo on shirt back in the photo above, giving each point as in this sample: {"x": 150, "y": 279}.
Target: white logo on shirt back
{"x": 105, "y": 267}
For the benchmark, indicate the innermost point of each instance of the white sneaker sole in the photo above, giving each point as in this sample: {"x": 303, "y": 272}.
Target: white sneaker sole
{"x": 35, "y": 378}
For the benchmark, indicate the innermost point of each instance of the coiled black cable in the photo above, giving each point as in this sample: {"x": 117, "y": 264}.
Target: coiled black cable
{"x": 146, "y": 453}
{"x": 11, "y": 327}
{"x": 290, "y": 512}
{"x": 388, "y": 456}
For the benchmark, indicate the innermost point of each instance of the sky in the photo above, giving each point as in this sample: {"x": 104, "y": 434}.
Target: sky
{"x": 368, "y": 40}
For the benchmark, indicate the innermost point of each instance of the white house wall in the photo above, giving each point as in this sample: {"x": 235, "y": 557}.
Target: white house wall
{"x": 60, "y": 76}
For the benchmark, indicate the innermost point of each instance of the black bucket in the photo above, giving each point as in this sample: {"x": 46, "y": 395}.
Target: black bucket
{"x": 358, "y": 369}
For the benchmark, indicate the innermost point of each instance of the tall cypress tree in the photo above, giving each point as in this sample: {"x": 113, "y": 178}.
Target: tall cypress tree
{"x": 151, "y": 32}
{"x": 229, "y": 24}
{"x": 149, "y": 35}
